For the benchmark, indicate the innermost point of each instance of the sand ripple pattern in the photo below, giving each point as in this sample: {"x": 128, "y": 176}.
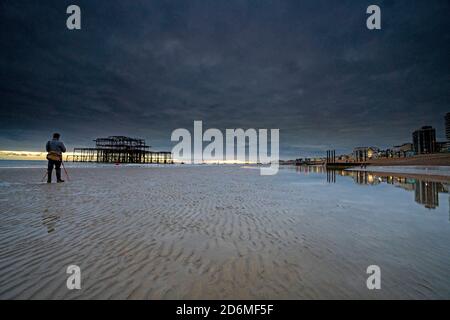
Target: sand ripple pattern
{"x": 204, "y": 233}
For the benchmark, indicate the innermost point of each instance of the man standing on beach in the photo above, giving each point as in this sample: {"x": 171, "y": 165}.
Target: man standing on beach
{"x": 55, "y": 149}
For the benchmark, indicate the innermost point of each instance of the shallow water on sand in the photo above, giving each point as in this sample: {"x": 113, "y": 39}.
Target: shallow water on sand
{"x": 222, "y": 232}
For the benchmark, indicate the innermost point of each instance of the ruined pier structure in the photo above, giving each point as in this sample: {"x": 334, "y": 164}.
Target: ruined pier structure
{"x": 120, "y": 149}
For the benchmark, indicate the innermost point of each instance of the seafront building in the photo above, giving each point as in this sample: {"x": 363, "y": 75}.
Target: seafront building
{"x": 424, "y": 140}
{"x": 447, "y": 129}
{"x": 362, "y": 154}
{"x": 424, "y": 143}
{"x": 403, "y": 149}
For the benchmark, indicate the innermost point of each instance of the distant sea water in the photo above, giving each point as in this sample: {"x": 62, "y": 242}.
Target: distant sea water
{"x": 31, "y": 164}
{"x": 23, "y": 163}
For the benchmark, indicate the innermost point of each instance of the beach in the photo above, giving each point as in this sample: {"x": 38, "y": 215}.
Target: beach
{"x": 216, "y": 232}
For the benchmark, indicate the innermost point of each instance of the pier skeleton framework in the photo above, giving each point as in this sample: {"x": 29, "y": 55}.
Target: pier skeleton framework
{"x": 120, "y": 149}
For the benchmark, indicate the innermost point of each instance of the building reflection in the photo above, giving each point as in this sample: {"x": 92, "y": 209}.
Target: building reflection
{"x": 310, "y": 169}
{"x": 307, "y": 169}
{"x": 426, "y": 193}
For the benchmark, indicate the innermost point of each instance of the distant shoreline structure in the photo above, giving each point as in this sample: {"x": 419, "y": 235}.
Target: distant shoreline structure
{"x": 121, "y": 149}
{"x": 436, "y": 159}
{"x": 423, "y": 150}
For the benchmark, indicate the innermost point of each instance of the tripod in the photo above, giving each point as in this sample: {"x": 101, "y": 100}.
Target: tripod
{"x": 65, "y": 171}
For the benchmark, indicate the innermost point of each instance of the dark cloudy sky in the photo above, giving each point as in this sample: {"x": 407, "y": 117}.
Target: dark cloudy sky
{"x": 145, "y": 68}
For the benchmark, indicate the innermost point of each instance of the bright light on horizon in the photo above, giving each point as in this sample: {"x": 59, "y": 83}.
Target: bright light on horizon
{"x": 35, "y": 155}
{"x": 26, "y": 155}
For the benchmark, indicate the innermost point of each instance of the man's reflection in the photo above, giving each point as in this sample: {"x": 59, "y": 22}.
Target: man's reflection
{"x": 49, "y": 220}
{"x": 49, "y": 217}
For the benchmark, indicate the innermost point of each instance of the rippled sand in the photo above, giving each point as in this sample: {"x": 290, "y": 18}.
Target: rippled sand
{"x": 212, "y": 233}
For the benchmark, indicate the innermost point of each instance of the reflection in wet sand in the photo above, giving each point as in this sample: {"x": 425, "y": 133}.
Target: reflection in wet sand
{"x": 49, "y": 217}
{"x": 49, "y": 221}
{"x": 426, "y": 192}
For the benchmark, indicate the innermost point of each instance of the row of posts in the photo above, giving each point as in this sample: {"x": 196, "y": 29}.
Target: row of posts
{"x": 331, "y": 156}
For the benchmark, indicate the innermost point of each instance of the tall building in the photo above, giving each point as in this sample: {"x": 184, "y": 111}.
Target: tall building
{"x": 447, "y": 129}
{"x": 424, "y": 140}
{"x": 447, "y": 126}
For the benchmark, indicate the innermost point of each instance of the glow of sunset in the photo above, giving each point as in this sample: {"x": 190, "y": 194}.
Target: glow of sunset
{"x": 33, "y": 155}
{"x": 24, "y": 155}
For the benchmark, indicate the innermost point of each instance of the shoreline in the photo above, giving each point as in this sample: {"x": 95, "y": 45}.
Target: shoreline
{"x": 425, "y": 171}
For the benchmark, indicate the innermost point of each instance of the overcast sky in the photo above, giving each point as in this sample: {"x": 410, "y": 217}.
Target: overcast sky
{"x": 144, "y": 68}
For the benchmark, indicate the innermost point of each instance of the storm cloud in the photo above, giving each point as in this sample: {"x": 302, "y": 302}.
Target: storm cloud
{"x": 144, "y": 68}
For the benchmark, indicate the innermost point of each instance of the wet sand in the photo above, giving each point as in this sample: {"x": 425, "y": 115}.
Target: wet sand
{"x": 211, "y": 232}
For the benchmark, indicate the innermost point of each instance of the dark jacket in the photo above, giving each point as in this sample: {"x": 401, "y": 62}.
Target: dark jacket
{"x": 55, "y": 146}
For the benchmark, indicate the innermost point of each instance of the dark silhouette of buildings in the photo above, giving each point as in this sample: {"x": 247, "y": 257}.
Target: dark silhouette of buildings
{"x": 424, "y": 140}
{"x": 447, "y": 129}
{"x": 447, "y": 126}
{"x": 362, "y": 154}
